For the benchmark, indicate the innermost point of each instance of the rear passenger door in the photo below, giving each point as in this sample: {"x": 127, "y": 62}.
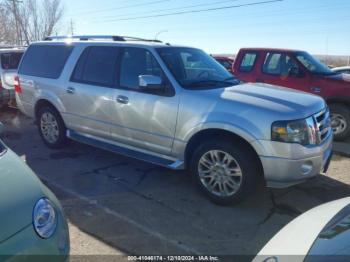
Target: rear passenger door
{"x": 281, "y": 69}
{"x": 88, "y": 94}
{"x": 145, "y": 120}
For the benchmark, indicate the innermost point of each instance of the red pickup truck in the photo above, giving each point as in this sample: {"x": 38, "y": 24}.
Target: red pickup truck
{"x": 299, "y": 70}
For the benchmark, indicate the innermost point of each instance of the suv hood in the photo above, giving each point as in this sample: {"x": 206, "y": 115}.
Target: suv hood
{"x": 278, "y": 102}
{"x": 20, "y": 188}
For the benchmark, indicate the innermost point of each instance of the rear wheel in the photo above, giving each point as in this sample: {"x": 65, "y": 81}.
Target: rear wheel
{"x": 225, "y": 171}
{"x": 51, "y": 127}
{"x": 340, "y": 120}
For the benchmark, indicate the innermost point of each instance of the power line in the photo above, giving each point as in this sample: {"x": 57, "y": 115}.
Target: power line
{"x": 176, "y": 8}
{"x": 124, "y": 7}
{"x": 191, "y": 11}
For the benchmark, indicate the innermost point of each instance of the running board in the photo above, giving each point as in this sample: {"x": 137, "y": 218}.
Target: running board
{"x": 157, "y": 160}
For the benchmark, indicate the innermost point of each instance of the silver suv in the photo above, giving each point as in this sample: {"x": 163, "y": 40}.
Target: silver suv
{"x": 176, "y": 107}
{"x": 9, "y": 61}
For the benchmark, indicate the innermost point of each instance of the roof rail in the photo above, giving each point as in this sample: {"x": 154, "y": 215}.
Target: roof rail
{"x": 12, "y": 47}
{"x": 99, "y": 37}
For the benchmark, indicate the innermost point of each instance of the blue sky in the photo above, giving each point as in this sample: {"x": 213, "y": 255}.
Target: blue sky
{"x": 318, "y": 26}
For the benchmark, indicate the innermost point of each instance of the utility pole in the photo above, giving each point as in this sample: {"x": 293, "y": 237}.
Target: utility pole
{"x": 71, "y": 27}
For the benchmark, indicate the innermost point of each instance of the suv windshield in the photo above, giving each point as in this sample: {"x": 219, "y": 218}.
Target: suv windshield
{"x": 194, "y": 69}
{"x": 312, "y": 64}
{"x": 10, "y": 61}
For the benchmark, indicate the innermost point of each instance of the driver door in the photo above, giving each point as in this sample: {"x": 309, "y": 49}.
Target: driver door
{"x": 143, "y": 119}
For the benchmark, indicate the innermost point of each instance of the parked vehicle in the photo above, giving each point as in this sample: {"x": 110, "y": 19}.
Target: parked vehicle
{"x": 225, "y": 61}
{"x": 176, "y": 107}
{"x": 342, "y": 70}
{"x": 32, "y": 221}
{"x": 9, "y": 61}
{"x": 299, "y": 70}
{"x": 321, "y": 234}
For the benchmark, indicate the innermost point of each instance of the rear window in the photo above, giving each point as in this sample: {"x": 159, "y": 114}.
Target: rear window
{"x": 45, "y": 60}
{"x": 10, "y": 61}
{"x": 248, "y": 62}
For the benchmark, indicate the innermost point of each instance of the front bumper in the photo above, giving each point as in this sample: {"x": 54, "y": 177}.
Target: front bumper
{"x": 28, "y": 246}
{"x": 290, "y": 164}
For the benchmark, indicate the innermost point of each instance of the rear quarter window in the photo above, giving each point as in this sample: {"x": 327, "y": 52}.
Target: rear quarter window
{"x": 10, "y": 61}
{"x": 248, "y": 62}
{"x": 45, "y": 61}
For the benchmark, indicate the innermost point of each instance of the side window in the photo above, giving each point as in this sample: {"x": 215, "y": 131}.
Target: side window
{"x": 279, "y": 64}
{"x": 97, "y": 66}
{"x": 135, "y": 62}
{"x": 248, "y": 62}
{"x": 45, "y": 60}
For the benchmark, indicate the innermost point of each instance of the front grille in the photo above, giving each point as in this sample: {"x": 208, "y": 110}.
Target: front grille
{"x": 323, "y": 125}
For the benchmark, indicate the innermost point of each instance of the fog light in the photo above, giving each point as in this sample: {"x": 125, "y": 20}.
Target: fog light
{"x": 307, "y": 168}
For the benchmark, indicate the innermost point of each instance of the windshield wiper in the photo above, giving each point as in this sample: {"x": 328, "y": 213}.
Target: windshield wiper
{"x": 204, "y": 82}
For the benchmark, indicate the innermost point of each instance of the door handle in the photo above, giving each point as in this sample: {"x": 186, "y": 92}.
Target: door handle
{"x": 122, "y": 100}
{"x": 70, "y": 90}
{"x": 259, "y": 81}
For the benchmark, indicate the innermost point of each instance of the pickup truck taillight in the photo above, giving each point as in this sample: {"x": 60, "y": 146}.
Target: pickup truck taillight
{"x": 17, "y": 85}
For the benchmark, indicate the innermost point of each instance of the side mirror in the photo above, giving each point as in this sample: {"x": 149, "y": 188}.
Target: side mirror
{"x": 150, "y": 82}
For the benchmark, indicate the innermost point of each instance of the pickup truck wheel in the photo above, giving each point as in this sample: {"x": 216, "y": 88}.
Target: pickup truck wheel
{"x": 224, "y": 171}
{"x": 51, "y": 127}
{"x": 340, "y": 120}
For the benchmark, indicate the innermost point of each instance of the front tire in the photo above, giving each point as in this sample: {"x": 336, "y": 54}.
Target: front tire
{"x": 225, "y": 171}
{"x": 340, "y": 117}
{"x": 51, "y": 127}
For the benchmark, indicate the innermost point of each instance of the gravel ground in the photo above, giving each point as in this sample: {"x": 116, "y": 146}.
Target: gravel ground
{"x": 120, "y": 206}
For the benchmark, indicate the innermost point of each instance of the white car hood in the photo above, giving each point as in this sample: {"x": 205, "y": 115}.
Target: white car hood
{"x": 295, "y": 240}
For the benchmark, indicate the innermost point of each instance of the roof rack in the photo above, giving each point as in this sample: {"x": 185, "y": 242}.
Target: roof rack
{"x": 99, "y": 37}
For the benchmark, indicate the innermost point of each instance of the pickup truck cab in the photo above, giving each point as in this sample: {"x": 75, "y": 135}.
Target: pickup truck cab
{"x": 299, "y": 70}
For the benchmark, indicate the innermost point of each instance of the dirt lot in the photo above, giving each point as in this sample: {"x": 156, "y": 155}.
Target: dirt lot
{"x": 118, "y": 205}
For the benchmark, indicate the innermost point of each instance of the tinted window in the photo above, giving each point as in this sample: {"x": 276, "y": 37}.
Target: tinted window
{"x": 248, "y": 62}
{"x": 11, "y": 60}
{"x": 97, "y": 65}
{"x": 45, "y": 60}
{"x": 136, "y": 62}
{"x": 278, "y": 64}
{"x": 225, "y": 63}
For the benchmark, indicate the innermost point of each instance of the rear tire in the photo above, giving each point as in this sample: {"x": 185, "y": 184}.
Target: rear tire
{"x": 51, "y": 127}
{"x": 230, "y": 176}
{"x": 340, "y": 115}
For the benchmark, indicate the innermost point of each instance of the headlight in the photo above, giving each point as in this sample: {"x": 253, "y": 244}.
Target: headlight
{"x": 299, "y": 131}
{"x": 44, "y": 218}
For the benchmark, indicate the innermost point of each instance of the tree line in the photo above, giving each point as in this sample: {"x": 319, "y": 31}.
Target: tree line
{"x": 25, "y": 21}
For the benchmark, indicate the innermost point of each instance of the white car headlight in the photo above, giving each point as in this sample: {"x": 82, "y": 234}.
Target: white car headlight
{"x": 44, "y": 218}
{"x": 299, "y": 131}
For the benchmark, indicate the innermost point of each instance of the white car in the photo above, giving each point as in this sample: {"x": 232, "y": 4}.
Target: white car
{"x": 9, "y": 61}
{"x": 321, "y": 234}
{"x": 343, "y": 69}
